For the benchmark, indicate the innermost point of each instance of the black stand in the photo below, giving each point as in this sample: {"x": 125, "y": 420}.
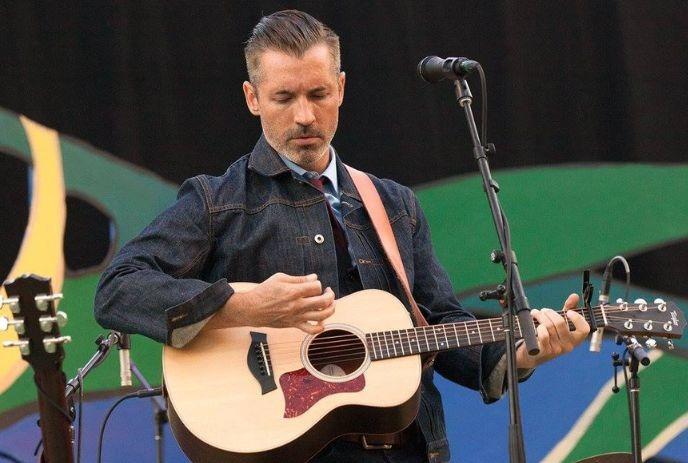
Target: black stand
{"x": 516, "y": 300}
{"x": 159, "y": 415}
{"x": 159, "y": 408}
{"x": 104, "y": 344}
{"x": 636, "y": 356}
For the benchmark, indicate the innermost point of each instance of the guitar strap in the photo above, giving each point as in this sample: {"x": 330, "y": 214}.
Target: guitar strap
{"x": 376, "y": 211}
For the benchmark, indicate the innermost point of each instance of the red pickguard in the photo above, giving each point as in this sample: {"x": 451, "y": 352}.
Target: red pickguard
{"x": 301, "y": 390}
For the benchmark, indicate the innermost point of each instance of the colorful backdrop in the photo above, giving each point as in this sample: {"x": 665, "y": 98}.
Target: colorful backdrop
{"x": 586, "y": 107}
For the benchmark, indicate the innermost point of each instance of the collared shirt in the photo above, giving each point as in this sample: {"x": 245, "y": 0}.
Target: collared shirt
{"x": 331, "y": 187}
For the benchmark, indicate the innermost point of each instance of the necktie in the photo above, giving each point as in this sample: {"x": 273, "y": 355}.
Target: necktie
{"x": 337, "y": 230}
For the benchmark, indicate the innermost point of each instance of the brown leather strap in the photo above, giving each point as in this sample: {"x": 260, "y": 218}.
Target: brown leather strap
{"x": 378, "y": 215}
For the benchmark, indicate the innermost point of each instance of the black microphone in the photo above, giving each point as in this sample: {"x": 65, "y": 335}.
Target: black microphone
{"x": 636, "y": 349}
{"x": 124, "y": 344}
{"x": 434, "y": 69}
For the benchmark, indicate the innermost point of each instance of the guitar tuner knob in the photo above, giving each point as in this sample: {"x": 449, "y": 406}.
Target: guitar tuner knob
{"x": 629, "y": 324}
{"x": 619, "y": 301}
{"x": 50, "y": 344}
{"x": 46, "y": 323}
{"x": 23, "y": 346}
{"x": 670, "y": 344}
{"x": 650, "y": 343}
{"x": 659, "y": 301}
{"x": 13, "y": 302}
{"x": 640, "y": 301}
{"x": 17, "y": 323}
{"x": 668, "y": 326}
{"x": 42, "y": 300}
{"x": 648, "y": 325}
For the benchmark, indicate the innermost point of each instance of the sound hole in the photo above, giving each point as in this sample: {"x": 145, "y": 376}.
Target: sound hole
{"x": 336, "y": 353}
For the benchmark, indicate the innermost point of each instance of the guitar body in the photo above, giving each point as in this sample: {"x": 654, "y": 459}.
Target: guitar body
{"x": 266, "y": 394}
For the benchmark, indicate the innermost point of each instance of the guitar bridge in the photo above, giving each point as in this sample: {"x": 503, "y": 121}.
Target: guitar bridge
{"x": 259, "y": 364}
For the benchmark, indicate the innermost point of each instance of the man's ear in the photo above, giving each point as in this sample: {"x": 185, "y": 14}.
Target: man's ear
{"x": 251, "y": 95}
{"x": 341, "y": 80}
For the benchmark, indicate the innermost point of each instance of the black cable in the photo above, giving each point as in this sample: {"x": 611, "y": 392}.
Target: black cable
{"x": 136, "y": 394}
{"x": 483, "y": 104}
{"x": 9, "y": 457}
{"x": 79, "y": 375}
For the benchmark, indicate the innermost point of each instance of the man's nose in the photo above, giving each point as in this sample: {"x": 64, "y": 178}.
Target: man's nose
{"x": 304, "y": 115}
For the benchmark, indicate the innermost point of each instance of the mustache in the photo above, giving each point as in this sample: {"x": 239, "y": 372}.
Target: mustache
{"x": 304, "y": 132}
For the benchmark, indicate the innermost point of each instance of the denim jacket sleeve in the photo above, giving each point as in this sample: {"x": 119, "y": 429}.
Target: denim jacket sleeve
{"x": 154, "y": 284}
{"x": 469, "y": 366}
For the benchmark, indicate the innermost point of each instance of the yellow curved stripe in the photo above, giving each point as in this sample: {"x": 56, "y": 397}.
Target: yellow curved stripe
{"x": 576, "y": 433}
{"x": 41, "y": 251}
{"x": 666, "y": 436}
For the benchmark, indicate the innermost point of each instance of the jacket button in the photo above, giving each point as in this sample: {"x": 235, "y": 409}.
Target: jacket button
{"x": 319, "y": 239}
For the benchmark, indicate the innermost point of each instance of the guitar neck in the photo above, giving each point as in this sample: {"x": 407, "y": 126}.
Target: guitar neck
{"x": 447, "y": 336}
{"x": 55, "y": 423}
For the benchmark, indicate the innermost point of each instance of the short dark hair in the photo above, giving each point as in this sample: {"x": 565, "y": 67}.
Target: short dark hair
{"x": 289, "y": 31}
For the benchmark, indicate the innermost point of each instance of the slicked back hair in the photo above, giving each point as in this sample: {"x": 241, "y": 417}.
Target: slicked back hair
{"x": 292, "y": 32}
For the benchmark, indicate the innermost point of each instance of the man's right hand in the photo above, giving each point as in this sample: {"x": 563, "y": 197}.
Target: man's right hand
{"x": 281, "y": 301}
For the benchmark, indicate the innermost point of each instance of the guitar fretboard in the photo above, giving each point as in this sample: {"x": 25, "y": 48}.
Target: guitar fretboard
{"x": 446, "y": 336}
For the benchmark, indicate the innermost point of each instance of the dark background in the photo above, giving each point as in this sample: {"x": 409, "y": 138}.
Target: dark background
{"x": 158, "y": 83}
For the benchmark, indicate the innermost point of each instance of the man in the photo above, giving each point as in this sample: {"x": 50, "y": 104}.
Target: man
{"x": 265, "y": 221}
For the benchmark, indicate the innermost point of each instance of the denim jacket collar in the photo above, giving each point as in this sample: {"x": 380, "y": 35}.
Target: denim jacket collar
{"x": 265, "y": 161}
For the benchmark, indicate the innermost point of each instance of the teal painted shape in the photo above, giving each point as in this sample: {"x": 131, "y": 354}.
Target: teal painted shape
{"x": 12, "y": 136}
{"x": 562, "y": 218}
{"x": 130, "y": 195}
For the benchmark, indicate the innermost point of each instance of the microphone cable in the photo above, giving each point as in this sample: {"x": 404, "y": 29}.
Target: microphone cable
{"x": 137, "y": 394}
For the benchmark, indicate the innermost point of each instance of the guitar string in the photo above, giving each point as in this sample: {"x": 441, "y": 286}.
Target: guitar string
{"x": 494, "y": 325}
{"x": 408, "y": 345}
{"x": 408, "y": 351}
{"x": 496, "y": 322}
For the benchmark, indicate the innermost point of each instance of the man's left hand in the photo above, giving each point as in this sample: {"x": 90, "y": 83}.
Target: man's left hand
{"x": 554, "y": 336}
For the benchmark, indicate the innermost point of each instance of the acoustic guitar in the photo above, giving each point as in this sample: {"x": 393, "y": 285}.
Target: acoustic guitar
{"x": 269, "y": 394}
{"x": 37, "y": 326}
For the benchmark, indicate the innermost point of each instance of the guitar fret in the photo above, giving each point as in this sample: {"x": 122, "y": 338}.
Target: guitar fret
{"x": 456, "y": 334}
{"x": 368, "y": 338}
{"x": 468, "y": 336}
{"x": 437, "y": 344}
{"x": 425, "y": 333}
{"x": 480, "y": 334}
{"x": 444, "y": 329}
{"x": 379, "y": 345}
{"x": 384, "y": 334}
{"x": 401, "y": 342}
{"x": 391, "y": 336}
{"x": 415, "y": 331}
{"x": 492, "y": 330}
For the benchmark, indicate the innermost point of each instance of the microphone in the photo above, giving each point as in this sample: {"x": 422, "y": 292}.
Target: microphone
{"x": 124, "y": 344}
{"x": 434, "y": 69}
{"x": 598, "y": 334}
{"x": 636, "y": 349}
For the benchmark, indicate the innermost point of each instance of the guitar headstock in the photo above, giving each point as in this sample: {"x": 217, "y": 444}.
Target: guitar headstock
{"x": 35, "y": 321}
{"x": 661, "y": 319}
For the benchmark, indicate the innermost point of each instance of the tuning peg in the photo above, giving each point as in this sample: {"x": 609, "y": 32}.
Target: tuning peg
{"x": 17, "y": 323}
{"x": 659, "y": 301}
{"x": 50, "y": 344}
{"x": 650, "y": 343}
{"x": 13, "y": 302}
{"x": 42, "y": 300}
{"x": 670, "y": 344}
{"x": 23, "y": 346}
{"x": 46, "y": 323}
{"x": 619, "y": 301}
{"x": 640, "y": 301}
{"x": 661, "y": 304}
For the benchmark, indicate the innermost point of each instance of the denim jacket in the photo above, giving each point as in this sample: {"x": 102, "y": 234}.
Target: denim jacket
{"x": 259, "y": 219}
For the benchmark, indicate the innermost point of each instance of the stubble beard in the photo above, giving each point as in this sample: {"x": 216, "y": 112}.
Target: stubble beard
{"x": 307, "y": 157}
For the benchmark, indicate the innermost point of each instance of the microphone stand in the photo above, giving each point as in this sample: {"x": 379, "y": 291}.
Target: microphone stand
{"x": 517, "y": 302}
{"x": 159, "y": 414}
